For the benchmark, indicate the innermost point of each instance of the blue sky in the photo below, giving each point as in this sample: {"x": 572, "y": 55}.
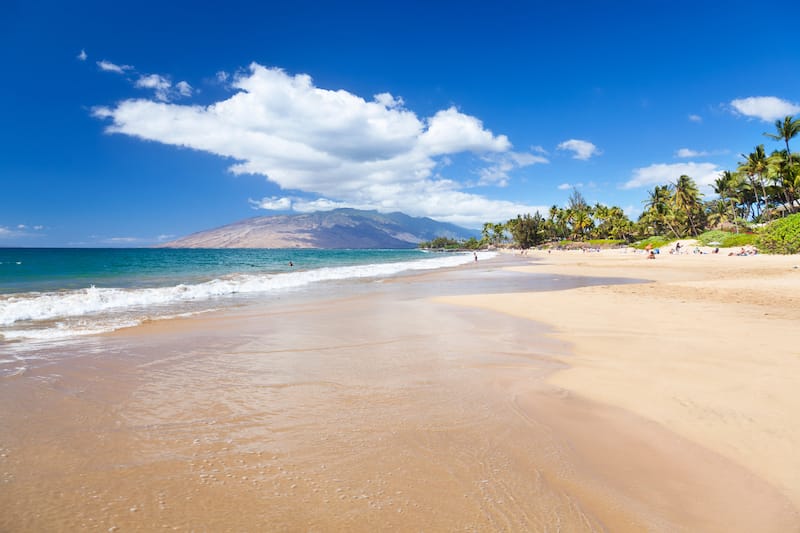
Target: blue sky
{"x": 131, "y": 124}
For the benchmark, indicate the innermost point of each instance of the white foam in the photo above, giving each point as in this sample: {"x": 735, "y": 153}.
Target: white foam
{"x": 66, "y": 306}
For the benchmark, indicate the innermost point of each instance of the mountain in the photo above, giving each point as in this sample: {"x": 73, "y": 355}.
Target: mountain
{"x": 340, "y": 228}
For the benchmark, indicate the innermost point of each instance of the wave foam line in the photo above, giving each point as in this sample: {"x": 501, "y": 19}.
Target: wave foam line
{"x": 92, "y": 300}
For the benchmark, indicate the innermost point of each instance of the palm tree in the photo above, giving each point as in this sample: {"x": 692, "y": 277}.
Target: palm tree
{"x": 658, "y": 204}
{"x": 787, "y": 129}
{"x": 756, "y": 165}
{"x": 486, "y": 232}
{"x": 687, "y": 199}
{"x": 718, "y": 211}
{"x": 581, "y": 223}
{"x": 727, "y": 187}
{"x": 785, "y": 177}
{"x": 498, "y": 233}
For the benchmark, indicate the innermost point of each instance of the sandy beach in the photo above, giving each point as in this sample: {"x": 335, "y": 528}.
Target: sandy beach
{"x": 707, "y": 348}
{"x": 525, "y": 393}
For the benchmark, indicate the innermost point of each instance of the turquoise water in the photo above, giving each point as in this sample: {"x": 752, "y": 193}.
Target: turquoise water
{"x": 45, "y": 269}
{"x": 48, "y": 295}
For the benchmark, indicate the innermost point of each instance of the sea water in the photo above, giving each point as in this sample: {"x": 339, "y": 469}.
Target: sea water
{"x": 49, "y": 295}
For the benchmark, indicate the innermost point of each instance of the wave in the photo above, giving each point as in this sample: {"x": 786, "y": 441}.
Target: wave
{"x": 61, "y": 309}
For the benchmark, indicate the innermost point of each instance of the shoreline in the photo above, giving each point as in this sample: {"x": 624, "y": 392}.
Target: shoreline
{"x": 381, "y": 407}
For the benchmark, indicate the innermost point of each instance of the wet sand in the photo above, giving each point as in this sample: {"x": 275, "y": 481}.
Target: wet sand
{"x": 376, "y": 408}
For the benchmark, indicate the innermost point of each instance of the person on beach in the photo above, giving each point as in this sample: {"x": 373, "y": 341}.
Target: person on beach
{"x": 476, "y": 256}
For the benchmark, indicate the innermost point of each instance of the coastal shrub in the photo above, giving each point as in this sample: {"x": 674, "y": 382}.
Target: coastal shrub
{"x": 605, "y": 243}
{"x": 726, "y": 239}
{"x": 735, "y": 240}
{"x": 781, "y": 236}
{"x": 708, "y": 237}
{"x": 657, "y": 241}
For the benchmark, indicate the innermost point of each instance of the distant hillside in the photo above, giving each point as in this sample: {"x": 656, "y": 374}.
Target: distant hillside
{"x": 340, "y": 228}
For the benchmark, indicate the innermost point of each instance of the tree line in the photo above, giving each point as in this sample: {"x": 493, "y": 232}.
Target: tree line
{"x": 762, "y": 188}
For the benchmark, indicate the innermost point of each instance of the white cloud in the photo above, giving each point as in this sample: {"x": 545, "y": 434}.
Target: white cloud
{"x": 163, "y": 89}
{"x": 19, "y": 231}
{"x": 183, "y": 88}
{"x": 581, "y": 149}
{"x": 389, "y": 101}
{"x": 124, "y": 240}
{"x": 632, "y": 211}
{"x": 766, "y": 108}
{"x": 159, "y": 84}
{"x": 449, "y": 131}
{"x": 222, "y": 76}
{"x": 273, "y": 204}
{"x": 564, "y": 187}
{"x": 332, "y": 144}
{"x": 497, "y": 173}
{"x": 695, "y": 118}
{"x": 688, "y": 152}
{"x": 703, "y": 174}
{"x": 82, "y": 56}
{"x": 108, "y": 66}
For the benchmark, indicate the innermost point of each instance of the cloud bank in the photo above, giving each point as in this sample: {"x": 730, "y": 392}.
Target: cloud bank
{"x": 337, "y": 146}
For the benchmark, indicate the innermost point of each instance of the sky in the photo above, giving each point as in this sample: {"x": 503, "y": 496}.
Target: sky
{"x": 131, "y": 124}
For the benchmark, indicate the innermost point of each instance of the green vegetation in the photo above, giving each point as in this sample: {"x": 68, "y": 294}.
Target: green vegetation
{"x": 782, "y": 236}
{"x": 726, "y": 239}
{"x": 654, "y": 242}
{"x": 442, "y": 243}
{"x": 763, "y": 190}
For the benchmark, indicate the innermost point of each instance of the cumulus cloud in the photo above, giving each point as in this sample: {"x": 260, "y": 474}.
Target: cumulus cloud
{"x": 108, "y": 66}
{"x": 159, "y": 84}
{"x": 82, "y": 55}
{"x": 337, "y": 147}
{"x": 581, "y": 149}
{"x": 766, "y": 108}
{"x": 183, "y": 88}
{"x": 688, "y": 152}
{"x": 497, "y": 173}
{"x": 703, "y": 174}
{"x": 273, "y": 203}
{"x": 695, "y": 118}
{"x": 569, "y": 186}
{"x": 163, "y": 89}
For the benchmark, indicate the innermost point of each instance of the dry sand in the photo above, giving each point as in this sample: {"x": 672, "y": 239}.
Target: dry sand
{"x": 708, "y": 349}
{"x": 665, "y": 406}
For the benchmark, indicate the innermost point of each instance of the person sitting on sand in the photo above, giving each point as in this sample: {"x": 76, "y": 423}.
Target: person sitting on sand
{"x": 651, "y": 255}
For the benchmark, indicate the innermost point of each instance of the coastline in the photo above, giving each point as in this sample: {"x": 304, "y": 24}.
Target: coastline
{"x": 383, "y": 407}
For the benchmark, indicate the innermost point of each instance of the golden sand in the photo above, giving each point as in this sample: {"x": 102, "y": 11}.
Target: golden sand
{"x": 709, "y": 349}
{"x": 387, "y": 410}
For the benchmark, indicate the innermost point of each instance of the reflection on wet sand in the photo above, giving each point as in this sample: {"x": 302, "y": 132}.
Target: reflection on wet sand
{"x": 374, "y": 410}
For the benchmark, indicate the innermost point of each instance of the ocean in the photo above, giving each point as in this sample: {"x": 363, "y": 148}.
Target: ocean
{"x": 52, "y": 295}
